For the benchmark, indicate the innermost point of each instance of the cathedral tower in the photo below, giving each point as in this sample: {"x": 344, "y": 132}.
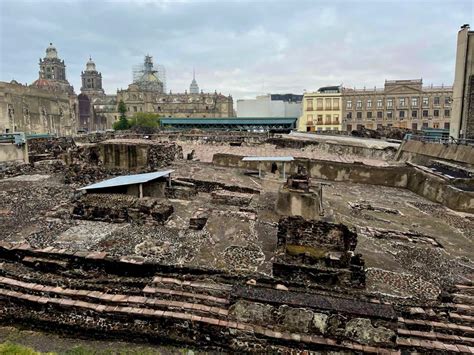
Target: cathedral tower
{"x": 91, "y": 81}
{"x": 52, "y": 73}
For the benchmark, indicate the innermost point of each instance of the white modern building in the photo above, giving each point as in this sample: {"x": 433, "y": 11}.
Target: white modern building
{"x": 270, "y": 105}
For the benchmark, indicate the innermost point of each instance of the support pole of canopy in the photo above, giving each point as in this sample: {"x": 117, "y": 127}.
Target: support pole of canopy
{"x": 140, "y": 190}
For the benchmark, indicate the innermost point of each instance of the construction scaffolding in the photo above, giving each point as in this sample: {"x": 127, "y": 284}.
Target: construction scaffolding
{"x": 149, "y": 77}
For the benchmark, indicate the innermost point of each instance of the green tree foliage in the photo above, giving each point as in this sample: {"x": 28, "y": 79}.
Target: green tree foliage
{"x": 145, "y": 119}
{"x": 122, "y": 123}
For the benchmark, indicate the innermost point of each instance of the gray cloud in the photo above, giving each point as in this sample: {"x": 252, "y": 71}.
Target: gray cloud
{"x": 240, "y": 47}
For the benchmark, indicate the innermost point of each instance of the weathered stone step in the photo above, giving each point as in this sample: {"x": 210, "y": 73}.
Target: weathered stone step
{"x": 462, "y": 298}
{"x": 193, "y": 284}
{"x": 437, "y": 315}
{"x": 44, "y": 263}
{"x": 461, "y": 308}
{"x": 186, "y": 295}
{"x": 134, "y": 312}
{"x": 443, "y": 337}
{"x": 462, "y": 318}
{"x": 427, "y": 325}
{"x": 115, "y": 298}
{"x": 433, "y": 346}
{"x": 465, "y": 289}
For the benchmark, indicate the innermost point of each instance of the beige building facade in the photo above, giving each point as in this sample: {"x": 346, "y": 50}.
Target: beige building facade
{"x": 205, "y": 105}
{"x": 400, "y": 103}
{"x": 322, "y": 110}
{"x": 463, "y": 92}
{"x": 33, "y": 110}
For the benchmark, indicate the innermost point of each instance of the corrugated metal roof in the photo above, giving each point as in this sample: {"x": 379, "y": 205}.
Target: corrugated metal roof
{"x": 128, "y": 180}
{"x": 268, "y": 159}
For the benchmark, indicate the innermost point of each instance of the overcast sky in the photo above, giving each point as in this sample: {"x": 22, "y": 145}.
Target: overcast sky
{"x": 244, "y": 48}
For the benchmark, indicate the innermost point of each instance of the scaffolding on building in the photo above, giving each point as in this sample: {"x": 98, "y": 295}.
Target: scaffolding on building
{"x": 150, "y": 77}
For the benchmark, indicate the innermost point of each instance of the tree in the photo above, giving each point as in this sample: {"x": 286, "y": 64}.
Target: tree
{"x": 122, "y": 123}
{"x": 145, "y": 119}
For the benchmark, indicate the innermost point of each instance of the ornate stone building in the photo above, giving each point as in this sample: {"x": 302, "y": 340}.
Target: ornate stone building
{"x": 91, "y": 93}
{"x": 401, "y": 103}
{"x": 49, "y": 105}
{"x": 146, "y": 94}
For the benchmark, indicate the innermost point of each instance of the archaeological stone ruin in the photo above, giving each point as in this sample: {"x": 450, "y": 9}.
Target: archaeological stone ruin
{"x": 174, "y": 238}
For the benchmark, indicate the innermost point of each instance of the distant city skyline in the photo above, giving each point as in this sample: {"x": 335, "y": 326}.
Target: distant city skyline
{"x": 242, "y": 48}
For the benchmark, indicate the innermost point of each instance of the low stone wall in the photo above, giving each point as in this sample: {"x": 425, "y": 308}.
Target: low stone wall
{"x": 421, "y": 182}
{"x": 10, "y": 152}
{"x": 423, "y": 152}
{"x": 339, "y": 148}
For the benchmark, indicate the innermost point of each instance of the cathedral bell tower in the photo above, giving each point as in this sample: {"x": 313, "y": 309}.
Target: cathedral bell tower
{"x": 91, "y": 81}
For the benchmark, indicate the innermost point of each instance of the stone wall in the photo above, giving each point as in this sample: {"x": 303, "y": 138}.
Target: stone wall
{"x": 424, "y": 183}
{"x": 33, "y": 110}
{"x": 10, "y": 152}
{"x": 120, "y": 208}
{"x": 424, "y": 152}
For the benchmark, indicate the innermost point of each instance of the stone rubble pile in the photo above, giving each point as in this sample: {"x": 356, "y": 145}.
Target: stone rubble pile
{"x": 118, "y": 208}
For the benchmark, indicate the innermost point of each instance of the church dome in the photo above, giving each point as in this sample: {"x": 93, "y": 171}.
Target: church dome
{"x": 90, "y": 65}
{"x": 51, "y": 52}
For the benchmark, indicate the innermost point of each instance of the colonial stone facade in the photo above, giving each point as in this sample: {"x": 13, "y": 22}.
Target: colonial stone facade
{"x": 322, "y": 110}
{"x": 401, "y": 103}
{"x": 176, "y": 105}
{"x": 48, "y": 105}
{"x": 146, "y": 94}
{"x": 32, "y": 110}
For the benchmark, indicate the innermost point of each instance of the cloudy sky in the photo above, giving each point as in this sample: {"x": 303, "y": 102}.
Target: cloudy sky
{"x": 244, "y": 48}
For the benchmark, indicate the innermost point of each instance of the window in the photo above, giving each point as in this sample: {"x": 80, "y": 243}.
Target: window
{"x": 335, "y": 104}
{"x": 379, "y": 103}
{"x": 446, "y": 125}
{"x": 320, "y": 119}
{"x": 425, "y": 113}
{"x": 308, "y": 129}
{"x": 328, "y": 119}
{"x": 319, "y": 104}
{"x": 447, "y": 100}
{"x": 348, "y": 104}
{"x": 135, "y": 109}
{"x": 425, "y": 125}
{"x": 414, "y": 126}
{"x": 402, "y": 102}
{"x": 390, "y": 103}
{"x": 369, "y": 103}
{"x": 389, "y": 125}
{"x": 435, "y": 124}
{"x": 379, "y": 114}
{"x": 309, "y": 119}
{"x": 436, "y": 100}
{"x": 389, "y": 115}
{"x": 328, "y": 104}
{"x": 426, "y": 101}
{"x": 436, "y": 113}
{"x": 414, "y": 102}
{"x": 414, "y": 114}
{"x": 309, "y": 105}
{"x": 336, "y": 119}
{"x": 369, "y": 114}
{"x": 359, "y": 115}
{"x": 447, "y": 113}
{"x": 349, "y": 115}
{"x": 359, "y": 104}
{"x": 401, "y": 114}
{"x": 349, "y": 128}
